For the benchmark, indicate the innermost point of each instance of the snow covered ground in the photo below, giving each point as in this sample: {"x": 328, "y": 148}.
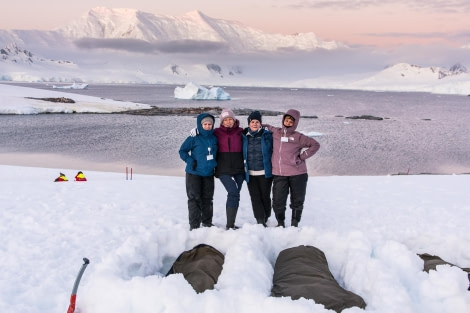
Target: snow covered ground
{"x": 370, "y": 229}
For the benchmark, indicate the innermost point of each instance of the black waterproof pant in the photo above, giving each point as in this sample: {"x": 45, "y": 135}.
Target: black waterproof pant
{"x": 282, "y": 185}
{"x": 260, "y": 194}
{"x": 200, "y": 191}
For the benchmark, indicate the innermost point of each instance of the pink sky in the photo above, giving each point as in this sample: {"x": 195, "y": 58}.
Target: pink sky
{"x": 372, "y": 22}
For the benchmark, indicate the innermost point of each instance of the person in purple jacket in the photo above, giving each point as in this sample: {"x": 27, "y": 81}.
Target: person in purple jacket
{"x": 290, "y": 150}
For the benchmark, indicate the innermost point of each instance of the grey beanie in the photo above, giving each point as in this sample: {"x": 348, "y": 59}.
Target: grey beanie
{"x": 207, "y": 119}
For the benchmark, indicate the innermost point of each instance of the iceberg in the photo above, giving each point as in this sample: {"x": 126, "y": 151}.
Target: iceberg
{"x": 192, "y": 91}
{"x": 73, "y": 86}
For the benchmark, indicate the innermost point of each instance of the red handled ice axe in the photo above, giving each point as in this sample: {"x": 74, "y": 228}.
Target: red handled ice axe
{"x": 73, "y": 297}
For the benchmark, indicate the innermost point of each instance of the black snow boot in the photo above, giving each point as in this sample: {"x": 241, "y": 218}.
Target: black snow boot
{"x": 280, "y": 217}
{"x": 207, "y": 225}
{"x": 296, "y": 215}
{"x": 231, "y": 216}
{"x": 261, "y": 221}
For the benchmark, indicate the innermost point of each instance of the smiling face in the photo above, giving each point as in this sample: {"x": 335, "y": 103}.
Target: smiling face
{"x": 255, "y": 125}
{"x": 228, "y": 122}
{"x": 288, "y": 121}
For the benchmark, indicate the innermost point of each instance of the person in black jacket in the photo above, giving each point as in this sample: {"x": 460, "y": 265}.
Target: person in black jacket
{"x": 257, "y": 152}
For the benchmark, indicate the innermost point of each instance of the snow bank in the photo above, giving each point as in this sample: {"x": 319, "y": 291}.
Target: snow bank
{"x": 24, "y": 100}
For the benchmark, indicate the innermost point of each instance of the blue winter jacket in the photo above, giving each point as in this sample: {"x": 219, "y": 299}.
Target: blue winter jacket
{"x": 201, "y": 148}
{"x": 266, "y": 149}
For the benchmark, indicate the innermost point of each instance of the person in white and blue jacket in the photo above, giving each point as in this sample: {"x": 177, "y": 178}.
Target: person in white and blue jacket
{"x": 199, "y": 152}
{"x": 257, "y": 152}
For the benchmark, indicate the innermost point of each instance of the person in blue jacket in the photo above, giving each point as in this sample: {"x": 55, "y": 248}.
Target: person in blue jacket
{"x": 199, "y": 152}
{"x": 257, "y": 153}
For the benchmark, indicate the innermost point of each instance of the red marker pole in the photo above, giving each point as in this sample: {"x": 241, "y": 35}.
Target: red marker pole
{"x": 131, "y": 173}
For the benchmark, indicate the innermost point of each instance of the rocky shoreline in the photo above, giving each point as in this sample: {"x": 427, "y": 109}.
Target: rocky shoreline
{"x": 56, "y": 100}
{"x": 194, "y": 111}
{"x": 217, "y": 110}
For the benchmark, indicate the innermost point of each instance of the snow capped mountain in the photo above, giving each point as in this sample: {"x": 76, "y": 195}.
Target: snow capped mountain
{"x": 130, "y": 46}
{"x": 127, "y": 45}
{"x": 409, "y": 77}
{"x": 456, "y": 69}
{"x": 17, "y": 64}
{"x": 406, "y": 73}
{"x": 105, "y": 23}
{"x": 400, "y": 77}
{"x": 12, "y": 54}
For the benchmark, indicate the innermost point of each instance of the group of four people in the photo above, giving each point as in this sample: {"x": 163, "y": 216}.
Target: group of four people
{"x": 263, "y": 155}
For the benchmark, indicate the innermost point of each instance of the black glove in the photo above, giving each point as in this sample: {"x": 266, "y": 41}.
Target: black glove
{"x": 194, "y": 165}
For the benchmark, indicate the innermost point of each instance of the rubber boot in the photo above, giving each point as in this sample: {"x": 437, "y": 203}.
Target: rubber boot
{"x": 208, "y": 224}
{"x": 261, "y": 221}
{"x": 231, "y": 216}
{"x": 280, "y": 217}
{"x": 296, "y": 215}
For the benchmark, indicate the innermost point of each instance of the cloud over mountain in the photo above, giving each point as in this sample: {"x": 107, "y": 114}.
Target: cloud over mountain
{"x": 142, "y": 46}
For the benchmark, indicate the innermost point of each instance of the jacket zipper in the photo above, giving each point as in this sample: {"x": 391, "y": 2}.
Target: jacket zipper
{"x": 280, "y": 150}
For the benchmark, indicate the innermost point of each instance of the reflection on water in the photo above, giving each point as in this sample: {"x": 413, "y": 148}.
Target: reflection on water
{"x": 111, "y": 140}
{"x": 421, "y": 133}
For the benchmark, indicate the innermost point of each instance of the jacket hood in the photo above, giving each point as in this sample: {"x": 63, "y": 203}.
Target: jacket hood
{"x": 199, "y": 119}
{"x": 296, "y": 115}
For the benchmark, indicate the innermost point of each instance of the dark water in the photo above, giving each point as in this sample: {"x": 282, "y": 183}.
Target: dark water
{"x": 420, "y": 133}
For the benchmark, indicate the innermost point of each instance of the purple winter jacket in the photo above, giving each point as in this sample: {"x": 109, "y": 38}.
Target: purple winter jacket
{"x": 291, "y": 148}
{"x": 230, "y": 151}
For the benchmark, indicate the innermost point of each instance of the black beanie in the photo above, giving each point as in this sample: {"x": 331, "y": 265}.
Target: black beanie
{"x": 255, "y": 115}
